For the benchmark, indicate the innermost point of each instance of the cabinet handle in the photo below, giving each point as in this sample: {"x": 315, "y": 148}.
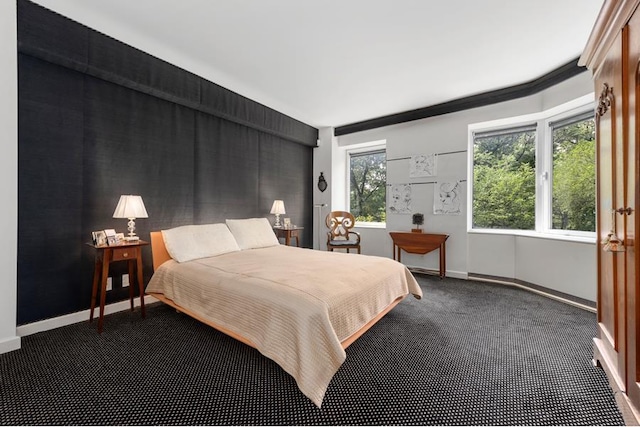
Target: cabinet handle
{"x": 126, "y": 254}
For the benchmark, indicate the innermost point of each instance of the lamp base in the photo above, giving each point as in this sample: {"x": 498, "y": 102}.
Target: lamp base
{"x": 131, "y": 238}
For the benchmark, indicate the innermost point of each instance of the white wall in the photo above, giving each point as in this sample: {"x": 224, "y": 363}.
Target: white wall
{"x": 8, "y": 176}
{"x": 560, "y": 265}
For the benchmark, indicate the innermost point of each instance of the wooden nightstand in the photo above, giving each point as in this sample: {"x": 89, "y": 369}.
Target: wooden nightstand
{"x": 105, "y": 255}
{"x": 288, "y": 233}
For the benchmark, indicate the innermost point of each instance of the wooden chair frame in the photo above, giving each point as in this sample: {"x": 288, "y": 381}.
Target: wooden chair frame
{"x": 339, "y": 235}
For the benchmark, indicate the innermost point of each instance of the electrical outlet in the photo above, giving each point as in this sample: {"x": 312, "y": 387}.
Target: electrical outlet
{"x": 109, "y": 283}
{"x": 125, "y": 280}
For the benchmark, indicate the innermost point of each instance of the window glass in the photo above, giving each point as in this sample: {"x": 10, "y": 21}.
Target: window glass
{"x": 504, "y": 179}
{"x": 368, "y": 185}
{"x": 574, "y": 162}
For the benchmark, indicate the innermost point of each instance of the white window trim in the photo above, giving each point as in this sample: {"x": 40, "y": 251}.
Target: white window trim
{"x": 544, "y": 169}
{"x": 354, "y": 149}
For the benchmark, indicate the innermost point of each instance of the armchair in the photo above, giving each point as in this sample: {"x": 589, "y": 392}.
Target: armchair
{"x": 340, "y": 235}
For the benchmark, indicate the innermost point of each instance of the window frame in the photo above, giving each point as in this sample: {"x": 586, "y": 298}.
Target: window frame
{"x": 360, "y": 149}
{"x": 544, "y": 168}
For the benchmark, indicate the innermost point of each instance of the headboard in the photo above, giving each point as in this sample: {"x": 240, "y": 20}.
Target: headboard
{"x": 158, "y": 250}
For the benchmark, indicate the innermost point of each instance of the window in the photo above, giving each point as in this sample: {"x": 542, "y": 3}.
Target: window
{"x": 573, "y": 201}
{"x": 368, "y": 184}
{"x": 504, "y": 179}
{"x": 536, "y": 173}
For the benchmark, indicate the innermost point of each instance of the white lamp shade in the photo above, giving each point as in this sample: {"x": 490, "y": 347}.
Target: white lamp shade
{"x": 130, "y": 207}
{"x": 278, "y": 207}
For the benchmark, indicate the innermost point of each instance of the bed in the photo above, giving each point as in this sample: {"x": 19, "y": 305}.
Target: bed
{"x": 299, "y": 307}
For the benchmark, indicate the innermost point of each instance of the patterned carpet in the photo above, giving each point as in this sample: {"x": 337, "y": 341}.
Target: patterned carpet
{"x": 468, "y": 353}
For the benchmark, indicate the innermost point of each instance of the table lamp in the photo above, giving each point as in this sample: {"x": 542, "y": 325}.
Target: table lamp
{"x": 130, "y": 207}
{"x": 278, "y": 209}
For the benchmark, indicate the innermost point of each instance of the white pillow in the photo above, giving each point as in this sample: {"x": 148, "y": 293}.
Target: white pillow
{"x": 253, "y": 233}
{"x": 199, "y": 241}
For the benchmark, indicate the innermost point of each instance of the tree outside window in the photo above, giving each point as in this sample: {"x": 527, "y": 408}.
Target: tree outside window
{"x": 574, "y": 171}
{"x": 506, "y": 192}
{"x": 504, "y": 183}
{"x": 368, "y": 186}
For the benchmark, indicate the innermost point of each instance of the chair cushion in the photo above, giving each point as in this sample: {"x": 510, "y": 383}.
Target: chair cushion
{"x": 343, "y": 243}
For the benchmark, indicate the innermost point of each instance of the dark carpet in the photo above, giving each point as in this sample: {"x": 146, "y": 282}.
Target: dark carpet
{"x": 468, "y": 353}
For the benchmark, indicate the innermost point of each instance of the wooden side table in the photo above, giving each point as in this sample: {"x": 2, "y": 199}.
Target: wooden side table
{"x": 420, "y": 243}
{"x": 288, "y": 233}
{"x": 105, "y": 255}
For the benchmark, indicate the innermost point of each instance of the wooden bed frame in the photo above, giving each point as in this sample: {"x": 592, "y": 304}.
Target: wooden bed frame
{"x": 160, "y": 256}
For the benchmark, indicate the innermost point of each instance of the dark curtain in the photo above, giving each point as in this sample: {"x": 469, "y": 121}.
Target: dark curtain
{"x": 98, "y": 119}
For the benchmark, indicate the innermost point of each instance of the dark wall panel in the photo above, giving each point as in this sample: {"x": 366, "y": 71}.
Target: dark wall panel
{"x": 227, "y": 170}
{"x": 286, "y": 173}
{"x": 98, "y": 119}
{"x": 137, "y": 144}
{"x": 50, "y": 202}
{"x": 132, "y": 68}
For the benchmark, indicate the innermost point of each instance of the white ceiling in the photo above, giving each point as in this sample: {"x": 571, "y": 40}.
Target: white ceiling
{"x": 335, "y": 62}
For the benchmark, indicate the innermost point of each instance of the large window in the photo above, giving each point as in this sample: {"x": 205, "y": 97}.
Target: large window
{"x": 573, "y": 174}
{"x": 368, "y": 185}
{"x": 536, "y": 174}
{"x": 504, "y": 179}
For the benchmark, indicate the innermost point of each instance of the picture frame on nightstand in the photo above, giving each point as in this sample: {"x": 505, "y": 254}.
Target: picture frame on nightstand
{"x": 287, "y": 223}
{"x": 99, "y": 238}
{"x": 112, "y": 238}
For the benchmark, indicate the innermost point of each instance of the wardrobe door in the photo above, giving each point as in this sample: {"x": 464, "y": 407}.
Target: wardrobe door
{"x": 610, "y": 341}
{"x": 632, "y": 292}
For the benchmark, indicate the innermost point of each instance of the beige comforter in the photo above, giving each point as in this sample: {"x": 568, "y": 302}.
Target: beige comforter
{"x": 296, "y": 305}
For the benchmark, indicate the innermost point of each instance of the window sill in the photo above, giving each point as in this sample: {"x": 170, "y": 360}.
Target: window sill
{"x": 380, "y": 225}
{"x": 537, "y": 235}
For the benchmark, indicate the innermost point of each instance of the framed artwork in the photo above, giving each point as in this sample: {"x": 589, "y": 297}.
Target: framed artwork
{"x": 447, "y": 198}
{"x": 287, "y": 223}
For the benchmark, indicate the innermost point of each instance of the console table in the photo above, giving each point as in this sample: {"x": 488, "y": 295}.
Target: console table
{"x": 420, "y": 243}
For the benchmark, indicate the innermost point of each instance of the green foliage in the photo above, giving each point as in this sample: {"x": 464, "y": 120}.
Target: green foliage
{"x": 574, "y": 168}
{"x": 504, "y": 197}
{"x": 368, "y": 187}
{"x": 504, "y": 179}
{"x": 504, "y": 194}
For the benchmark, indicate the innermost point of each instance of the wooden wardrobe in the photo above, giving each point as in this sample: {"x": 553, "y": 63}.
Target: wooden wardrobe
{"x": 612, "y": 54}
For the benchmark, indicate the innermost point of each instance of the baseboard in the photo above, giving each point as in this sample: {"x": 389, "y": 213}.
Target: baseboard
{"x": 435, "y": 272}
{"x": 9, "y": 344}
{"x": 77, "y": 317}
{"x": 540, "y": 290}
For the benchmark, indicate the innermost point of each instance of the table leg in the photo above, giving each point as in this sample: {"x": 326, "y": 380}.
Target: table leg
{"x": 131, "y": 266}
{"x": 94, "y": 290}
{"x": 443, "y": 261}
{"x": 140, "y": 282}
{"x": 103, "y": 288}
{"x": 287, "y": 238}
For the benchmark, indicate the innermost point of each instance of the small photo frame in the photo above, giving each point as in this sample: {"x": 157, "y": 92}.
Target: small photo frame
{"x": 287, "y": 223}
{"x": 99, "y": 238}
{"x": 112, "y": 238}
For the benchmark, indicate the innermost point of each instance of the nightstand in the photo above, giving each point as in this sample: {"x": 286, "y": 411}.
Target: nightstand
{"x": 288, "y": 233}
{"x": 105, "y": 255}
